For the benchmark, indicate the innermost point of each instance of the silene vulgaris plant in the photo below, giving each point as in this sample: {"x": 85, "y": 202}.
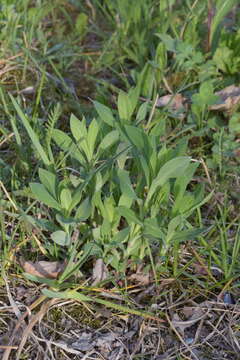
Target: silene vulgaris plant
{"x": 124, "y": 190}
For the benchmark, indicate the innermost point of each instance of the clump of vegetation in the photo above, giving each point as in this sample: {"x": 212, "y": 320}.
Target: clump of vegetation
{"x": 119, "y": 147}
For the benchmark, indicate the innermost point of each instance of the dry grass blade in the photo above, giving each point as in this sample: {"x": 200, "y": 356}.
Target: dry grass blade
{"x": 206, "y": 171}
{"x": 17, "y": 313}
{"x": 10, "y": 298}
{"x": 6, "y": 138}
{"x": 4, "y": 61}
{"x": 8, "y": 196}
{"x": 7, "y": 69}
{"x": 8, "y": 347}
{"x": 21, "y": 321}
{"x": 36, "y": 318}
{"x": 180, "y": 337}
{"x": 59, "y": 345}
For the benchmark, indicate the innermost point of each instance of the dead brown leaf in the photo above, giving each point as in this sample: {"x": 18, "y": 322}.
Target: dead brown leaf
{"x": 197, "y": 314}
{"x": 100, "y": 272}
{"x": 141, "y": 278}
{"x": 200, "y": 269}
{"x": 192, "y": 314}
{"x": 175, "y": 102}
{"x": 166, "y": 282}
{"x": 44, "y": 269}
{"x": 229, "y": 97}
{"x": 188, "y": 311}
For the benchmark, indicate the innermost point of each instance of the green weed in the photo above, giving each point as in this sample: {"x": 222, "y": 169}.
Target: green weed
{"x": 124, "y": 175}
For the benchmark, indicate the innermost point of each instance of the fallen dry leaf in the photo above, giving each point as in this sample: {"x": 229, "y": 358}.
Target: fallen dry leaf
{"x": 193, "y": 314}
{"x": 200, "y": 269}
{"x": 99, "y": 272}
{"x": 229, "y": 97}
{"x": 197, "y": 314}
{"x": 141, "y": 278}
{"x": 188, "y": 311}
{"x": 165, "y": 282}
{"x": 176, "y": 102}
{"x": 44, "y": 269}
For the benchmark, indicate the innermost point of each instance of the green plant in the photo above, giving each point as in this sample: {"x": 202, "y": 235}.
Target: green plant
{"x": 223, "y": 152}
{"x": 223, "y": 249}
{"x": 132, "y": 202}
{"x": 227, "y": 54}
{"x": 149, "y": 192}
{"x": 217, "y": 11}
{"x": 201, "y": 102}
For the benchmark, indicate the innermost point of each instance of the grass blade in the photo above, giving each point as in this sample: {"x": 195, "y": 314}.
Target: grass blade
{"x": 222, "y": 11}
{"x": 81, "y": 297}
{"x": 33, "y": 136}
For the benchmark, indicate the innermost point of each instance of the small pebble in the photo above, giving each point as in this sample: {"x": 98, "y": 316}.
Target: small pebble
{"x": 228, "y": 299}
{"x": 189, "y": 341}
